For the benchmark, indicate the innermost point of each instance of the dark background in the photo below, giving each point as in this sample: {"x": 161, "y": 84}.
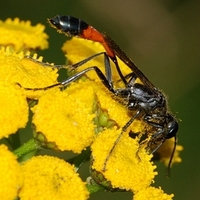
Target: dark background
{"x": 163, "y": 38}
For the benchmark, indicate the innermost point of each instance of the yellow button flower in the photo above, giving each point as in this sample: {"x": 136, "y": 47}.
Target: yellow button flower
{"x": 47, "y": 177}
{"x": 152, "y": 193}
{"x": 14, "y": 109}
{"x": 11, "y": 179}
{"x": 128, "y": 166}
{"x": 116, "y": 110}
{"x": 65, "y": 117}
{"x": 20, "y": 35}
{"x": 78, "y": 49}
{"x": 165, "y": 152}
{"x": 16, "y": 68}
{"x": 82, "y": 114}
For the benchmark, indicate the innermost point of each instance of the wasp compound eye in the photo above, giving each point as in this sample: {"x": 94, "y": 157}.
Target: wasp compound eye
{"x": 172, "y": 128}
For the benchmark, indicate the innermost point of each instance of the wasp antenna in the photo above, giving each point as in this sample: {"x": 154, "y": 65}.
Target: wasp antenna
{"x": 171, "y": 158}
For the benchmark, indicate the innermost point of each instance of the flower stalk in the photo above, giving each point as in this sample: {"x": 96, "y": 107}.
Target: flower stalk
{"x": 28, "y": 147}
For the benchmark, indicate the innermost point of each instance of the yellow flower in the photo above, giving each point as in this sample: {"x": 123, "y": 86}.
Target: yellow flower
{"x": 65, "y": 117}
{"x": 131, "y": 158}
{"x": 14, "y": 109}
{"x": 165, "y": 152}
{"x": 20, "y": 35}
{"x": 17, "y": 69}
{"x": 47, "y": 177}
{"x": 11, "y": 179}
{"x": 78, "y": 49}
{"x": 128, "y": 166}
{"x": 30, "y": 73}
{"x": 116, "y": 110}
{"x": 152, "y": 193}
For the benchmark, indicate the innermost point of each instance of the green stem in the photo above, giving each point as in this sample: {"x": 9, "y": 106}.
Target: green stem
{"x": 93, "y": 187}
{"x": 30, "y": 146}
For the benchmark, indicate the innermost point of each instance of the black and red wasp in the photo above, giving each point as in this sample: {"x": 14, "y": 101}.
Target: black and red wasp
{"x": 144, "y": 100}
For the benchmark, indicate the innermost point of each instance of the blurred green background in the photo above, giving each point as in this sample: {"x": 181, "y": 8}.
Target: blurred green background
{"x": 163, "y": 38}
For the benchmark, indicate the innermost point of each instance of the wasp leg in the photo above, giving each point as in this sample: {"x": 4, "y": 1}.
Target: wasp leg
{"x": 73, "y": 66}
{"x": 124, "y": 129}
{"x": 40, "y": 62}
{"x": 100, "y": 74}
{"x": 82, "y": 62}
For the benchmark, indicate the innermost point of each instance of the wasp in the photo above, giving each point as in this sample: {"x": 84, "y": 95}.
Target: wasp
{"x": 143, "y": 99}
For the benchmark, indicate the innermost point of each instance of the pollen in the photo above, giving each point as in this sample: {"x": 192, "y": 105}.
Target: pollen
{"x": 65, "y": 117}
{"x": 165, "y": 152}
{"x": 152, "y": 193}
{"x": 11, "y": 178}
{"x": 48, "y": 177}
{"x": 25, "y": 71}
{"x": 127, "y": 166}
{"x": 14, "y": 109}
{"x": 80, "y": 49}
{"x": 31, "y": 37}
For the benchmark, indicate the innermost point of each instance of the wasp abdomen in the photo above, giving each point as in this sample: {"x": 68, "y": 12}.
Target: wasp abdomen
{"x": 69, "y": 25}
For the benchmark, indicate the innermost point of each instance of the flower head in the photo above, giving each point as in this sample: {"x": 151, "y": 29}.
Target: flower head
{"x": 113, "y": 151}
{"x": 84, "y": 112}
{"x": 127, "y": 166}
{"x": 20, "y": 35}
{"x": 11, "y": 178}
{"x": 65, "y": 117}
{"x": 14, "y": 109}
{"x": 47, "y": 177}
{"x": 81, "y": 49}
{"x": 165, "y": 152}
{"x": 152, "y": 193}
{"x": 17, "y": 68}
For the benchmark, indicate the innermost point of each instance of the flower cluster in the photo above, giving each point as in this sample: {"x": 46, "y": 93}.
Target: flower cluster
{"x": 81, "y": 117}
